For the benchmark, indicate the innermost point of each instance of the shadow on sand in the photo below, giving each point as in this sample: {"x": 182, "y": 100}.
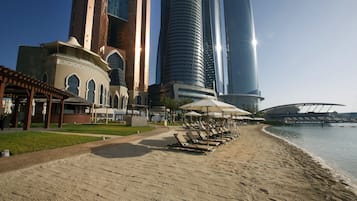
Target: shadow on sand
{"x": 158, "y": 143}
{"x": 124, "y": 150}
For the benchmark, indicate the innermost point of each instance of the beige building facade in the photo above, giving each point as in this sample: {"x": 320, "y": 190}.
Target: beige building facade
{"x": 69, "y": 66}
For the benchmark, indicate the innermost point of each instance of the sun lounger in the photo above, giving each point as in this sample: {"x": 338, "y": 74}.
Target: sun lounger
{"x": 203, "y": 135}
{"x": 196, "y": 140}
{"x": 185, "y": 125}
{"x": 185, "y": 144}
{"x": 219, "y": 135}
{"x": 226, "y": 133}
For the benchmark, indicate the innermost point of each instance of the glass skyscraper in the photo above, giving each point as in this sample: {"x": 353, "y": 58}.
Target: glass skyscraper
{"x": 210, "y": 44}
{"x": 229, "y": 37}
{"x": 180, "y": 67}
{"x": 243, "y": 89}
{"x": 181, "y": 41}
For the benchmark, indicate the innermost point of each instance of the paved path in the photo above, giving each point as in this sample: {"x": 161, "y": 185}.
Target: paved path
{"x": 28, "y": 159}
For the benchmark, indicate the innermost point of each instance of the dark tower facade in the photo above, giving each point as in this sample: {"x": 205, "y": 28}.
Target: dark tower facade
{"x": 120, "y": 27}
{"x": 182, "y": 42}
{"x": 210, "y": 72}
{"x": 180, "y": 67}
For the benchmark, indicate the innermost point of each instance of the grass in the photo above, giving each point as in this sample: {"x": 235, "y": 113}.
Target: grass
{"x": 108, "y": 129}
{"x": 29, "y": 141}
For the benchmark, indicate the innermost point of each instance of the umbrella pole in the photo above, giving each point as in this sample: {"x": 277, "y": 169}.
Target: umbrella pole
{"x": 207, "y": 128}
{"x": 191, "y": 118}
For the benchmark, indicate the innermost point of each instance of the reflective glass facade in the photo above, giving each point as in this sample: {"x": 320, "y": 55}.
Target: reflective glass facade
{"x": 241, "y": 52}
{"x": 118, "y": 8}
{"x": 211, "y": 44}
{"x": 210, "y": 73}
{"x": 243, "y": 90}
{"x": 215, "y": 45}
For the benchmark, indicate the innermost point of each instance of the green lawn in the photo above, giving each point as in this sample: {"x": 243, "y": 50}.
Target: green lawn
{"x": 108, "y": 129}
{"x": 29, "y": 141}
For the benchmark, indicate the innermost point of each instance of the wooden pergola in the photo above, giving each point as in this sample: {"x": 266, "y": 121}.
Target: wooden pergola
{"x": 19, "y": 86}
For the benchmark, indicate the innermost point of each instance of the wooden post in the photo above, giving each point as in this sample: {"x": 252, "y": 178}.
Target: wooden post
{"x": 60, "y": 120}
{"x": 28, "y": 116}
{"x": 15, "y": 117}
{"x": 2, "y": 91}
{"x": 49, "y": 111}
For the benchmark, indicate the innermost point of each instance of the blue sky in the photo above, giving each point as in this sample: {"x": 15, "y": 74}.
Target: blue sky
{"x": 307, "y": 49}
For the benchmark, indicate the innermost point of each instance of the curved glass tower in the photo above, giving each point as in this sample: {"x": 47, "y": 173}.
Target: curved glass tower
{"x": 180, "y": 57}
{"x": 209, "y": 44}
{"x": 180, "y": 70}
{"x": 240, "y": 36}
{"x": 243, "y": 90}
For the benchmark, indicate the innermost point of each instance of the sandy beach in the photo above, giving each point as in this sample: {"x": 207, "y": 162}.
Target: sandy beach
{"x": 257, "y": 166}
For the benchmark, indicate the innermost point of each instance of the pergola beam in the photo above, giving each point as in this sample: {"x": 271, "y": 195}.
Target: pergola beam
{"x": 11, "y": 80}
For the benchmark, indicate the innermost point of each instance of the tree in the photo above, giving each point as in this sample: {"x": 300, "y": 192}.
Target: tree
{"x": 173, "y": 104}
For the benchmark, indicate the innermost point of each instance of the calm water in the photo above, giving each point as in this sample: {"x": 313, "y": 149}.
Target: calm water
{"x": 335, "y": 145}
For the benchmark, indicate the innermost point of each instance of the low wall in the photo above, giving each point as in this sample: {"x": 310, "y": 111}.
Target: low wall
{"x": 136, "y": 121}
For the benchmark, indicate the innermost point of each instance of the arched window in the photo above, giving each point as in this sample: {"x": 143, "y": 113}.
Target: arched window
{"x": 115, "y": 61}
{"x": 117, "y": 75}
{"x": 90, "y": 91}
{"x": 105, "y": 97}
{"x": 44, "y": 78}
{"x": 101, "y": 94}
{"x": 110, "y": 102}
{"x": 73, "y": 84}
{"x": 122, "y": 105}
{"x": 116, "y": 101}
{"x": 138, "y": 100}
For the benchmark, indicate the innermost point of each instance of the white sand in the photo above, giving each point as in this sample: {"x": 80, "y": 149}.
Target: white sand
{"x": 255, "y": 167}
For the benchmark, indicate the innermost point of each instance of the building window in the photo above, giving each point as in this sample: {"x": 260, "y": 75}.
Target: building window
{"x": 73, "y": 84}
{"x": 118, "y": 8}
{"x": 90, "y": 91}
{"x": 44, "y": 78}
{"x": 105, "y": 96}
{"x": 101, "y": 95}
{"x": 115, "y": 61}
{"x": 138, "y": 100}
{"x": 110, "y": 101}
{"x": 122, "y": 105}
{"x": 116, "y": 101}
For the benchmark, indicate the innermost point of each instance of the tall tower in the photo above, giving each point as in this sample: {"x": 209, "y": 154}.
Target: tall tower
{"x": 229, "y": 39}
{"x": 180, "y": 68}
{"x": 120, "y": 27}
{"x": 243, "y": 89}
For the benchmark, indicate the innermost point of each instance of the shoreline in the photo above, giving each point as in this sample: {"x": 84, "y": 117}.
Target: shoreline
{"x": 337, "y": 174}
{"x": 257, "y": 166}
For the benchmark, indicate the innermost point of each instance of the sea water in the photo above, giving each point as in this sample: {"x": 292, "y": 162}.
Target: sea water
{"x": 336, "y": 145}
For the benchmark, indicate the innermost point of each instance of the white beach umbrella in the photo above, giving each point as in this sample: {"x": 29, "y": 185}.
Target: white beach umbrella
{"x": 235, "y": 111}
{"x": 217, "y": 115}
{"x": 258, "y": 119}
{"x": 242, "y": 118}
{"x": 193, "y": 114}
{"x": 207, "y": 105}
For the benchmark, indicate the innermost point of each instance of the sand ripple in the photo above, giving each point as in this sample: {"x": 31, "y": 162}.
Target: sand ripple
{"x": 255, "y": 167}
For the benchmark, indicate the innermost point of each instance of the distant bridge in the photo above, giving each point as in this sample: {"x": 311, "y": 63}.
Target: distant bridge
{"x": 302, "y": 113}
